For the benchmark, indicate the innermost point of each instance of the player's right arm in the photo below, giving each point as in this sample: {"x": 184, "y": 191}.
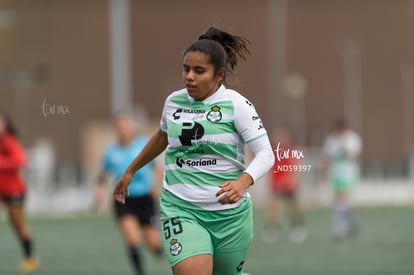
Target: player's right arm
{"x": 155, "y": 146}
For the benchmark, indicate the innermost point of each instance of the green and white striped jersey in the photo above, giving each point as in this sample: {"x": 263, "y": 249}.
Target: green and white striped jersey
{"x": 206, "y": 143}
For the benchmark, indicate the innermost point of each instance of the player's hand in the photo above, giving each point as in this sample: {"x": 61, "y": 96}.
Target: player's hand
{"x": 121, "y": 188}
{"x": 233, "y": 190}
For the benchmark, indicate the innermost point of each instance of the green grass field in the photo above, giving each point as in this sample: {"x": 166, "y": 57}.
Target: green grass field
{"x": 92, "y": 245}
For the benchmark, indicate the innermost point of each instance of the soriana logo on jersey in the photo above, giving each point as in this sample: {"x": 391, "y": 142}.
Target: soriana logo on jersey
{"x": 195, "y": 163}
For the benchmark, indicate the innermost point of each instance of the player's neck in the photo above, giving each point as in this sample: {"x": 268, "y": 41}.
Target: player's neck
{"x": 125, "y": 140}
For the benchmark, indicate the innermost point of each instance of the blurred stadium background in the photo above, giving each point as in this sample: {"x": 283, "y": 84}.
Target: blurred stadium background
{"x": 66, "y": 66}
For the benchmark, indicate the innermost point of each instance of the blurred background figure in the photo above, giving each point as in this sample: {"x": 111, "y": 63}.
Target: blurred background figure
{"x": 283, "y": 183}
{"x": 12, "y": 189}
{"x": 342, "y": 149}
{"x": 139, "y": 214}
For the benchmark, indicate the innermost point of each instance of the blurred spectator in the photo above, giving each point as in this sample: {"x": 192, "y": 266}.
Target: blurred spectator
{"x": 284, "y": 183}
{"x": 342, "y": 149}
{"x": 13, "y": 189}
{"x": 140, "y": 211}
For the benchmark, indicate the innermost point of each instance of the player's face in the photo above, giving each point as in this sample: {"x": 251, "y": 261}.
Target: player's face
{"x": 123, "y": 126}
{"x": 199, "y": 76}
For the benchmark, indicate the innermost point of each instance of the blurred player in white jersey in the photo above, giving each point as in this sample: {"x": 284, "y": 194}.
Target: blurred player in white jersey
{"x": 342, "y": 149}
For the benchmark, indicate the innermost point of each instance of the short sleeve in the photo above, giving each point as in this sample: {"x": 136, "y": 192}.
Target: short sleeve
{"x": 247, "y": 122}
{"x": 354, "y": 143}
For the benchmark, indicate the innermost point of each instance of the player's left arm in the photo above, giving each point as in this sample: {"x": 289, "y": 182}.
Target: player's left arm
{"x": 250, "y": 127}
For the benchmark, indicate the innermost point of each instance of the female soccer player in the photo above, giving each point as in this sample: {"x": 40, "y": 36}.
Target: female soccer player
{"x": 12, "y": 188}
{"x": 140, "y": 211}
{"x": 342, "y": 149}
{"x": 284, "y": 185}
{"x": 206, "y": 211}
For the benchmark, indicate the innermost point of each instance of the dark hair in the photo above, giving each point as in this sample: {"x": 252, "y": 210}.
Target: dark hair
{"x": 223, "y": 48}
{"x": 10, "y": 129}
{"x": 340, "y": 123}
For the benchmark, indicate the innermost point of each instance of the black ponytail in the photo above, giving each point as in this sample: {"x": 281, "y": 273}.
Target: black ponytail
{"x": 10, "y": 129}
{"x": 223, "y": 48}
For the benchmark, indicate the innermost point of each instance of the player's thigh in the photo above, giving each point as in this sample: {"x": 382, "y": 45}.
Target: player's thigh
{"x": 129, "y": 226}
{"x": 17, "y": 218}
{"x": 16, "y": 214}
{"x": 230, "y": 262}
{"x": 200, "y": 264}
{"x": 15, "y": 206}
{"x": 152, "y": 236}
{"x": 231, "y": 229}
{"x": 150, "y": 222}
{"x": 128, "y": 217}
{"x": 184, "y": 237}
{"x": 230, "y": 252}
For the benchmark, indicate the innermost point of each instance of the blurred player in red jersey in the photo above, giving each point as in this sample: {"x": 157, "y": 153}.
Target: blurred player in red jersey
{"x": 284, "y": 182}
{"x": 12, "y": 188}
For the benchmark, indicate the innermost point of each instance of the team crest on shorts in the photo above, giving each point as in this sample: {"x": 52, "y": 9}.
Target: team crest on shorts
{"x": 214, "y": 115}
{"x": 175, "y": 247}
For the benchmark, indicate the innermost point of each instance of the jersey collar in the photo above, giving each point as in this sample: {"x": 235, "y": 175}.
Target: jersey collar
{"x": 211, "y": 98}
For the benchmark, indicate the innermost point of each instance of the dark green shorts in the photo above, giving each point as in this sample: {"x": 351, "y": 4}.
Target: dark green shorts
{"x": 189, "y": 230}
